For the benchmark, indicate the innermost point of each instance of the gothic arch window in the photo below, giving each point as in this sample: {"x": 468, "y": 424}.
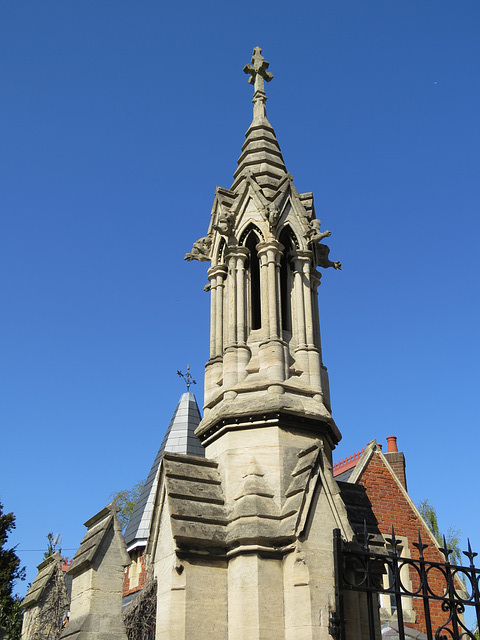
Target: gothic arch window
{"x": 288, "y": 240}
{"x": 250, "y": 240}
{"x": 221, "y": 251}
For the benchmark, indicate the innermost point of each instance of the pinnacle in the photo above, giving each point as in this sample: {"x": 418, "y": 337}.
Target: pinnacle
{"x": 261, "y": 154}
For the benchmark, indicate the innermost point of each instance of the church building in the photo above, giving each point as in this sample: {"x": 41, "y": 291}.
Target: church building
{"x": 240, "y": 540}
{"x": 234, "y": 528}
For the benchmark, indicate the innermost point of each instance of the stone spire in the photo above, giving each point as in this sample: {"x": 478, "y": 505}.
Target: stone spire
{"x": 264, "y": 246}
{"x": 261, "y": 155}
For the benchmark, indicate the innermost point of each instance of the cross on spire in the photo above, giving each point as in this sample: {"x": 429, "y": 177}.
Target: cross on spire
{"x": 258, "y": 76}
{"x": 258, "y": 70}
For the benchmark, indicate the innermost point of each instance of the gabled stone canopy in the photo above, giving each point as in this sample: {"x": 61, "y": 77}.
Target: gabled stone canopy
{"x": 253, "y": 566}
{"x": 97, "y": 570}
{"x": 202, "y": 521}
{"x": 191, "y": 491}
{"x": 46, "y": 602}
{"x": 46, "y": 569}
{"x": 179, "y": 438}
{"x": 99, "y": 527}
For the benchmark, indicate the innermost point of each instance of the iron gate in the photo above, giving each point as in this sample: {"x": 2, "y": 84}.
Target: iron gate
{"x": 366, "y": 569}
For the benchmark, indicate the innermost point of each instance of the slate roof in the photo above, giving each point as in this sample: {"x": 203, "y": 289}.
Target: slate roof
{"x": 179, "y": 438}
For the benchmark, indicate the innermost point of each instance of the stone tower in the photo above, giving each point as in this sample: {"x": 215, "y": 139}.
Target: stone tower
{"x": 241, "y": 540}
{"x": 266, "y": 388}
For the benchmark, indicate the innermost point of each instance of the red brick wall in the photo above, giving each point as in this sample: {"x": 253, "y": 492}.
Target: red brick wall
{"x": 141, "y": 579}
{"x": 391, "y": 507}
{"x": 396, "y": 460}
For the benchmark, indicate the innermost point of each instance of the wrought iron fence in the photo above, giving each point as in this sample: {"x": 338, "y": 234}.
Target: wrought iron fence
{"x": 372, "y": 571}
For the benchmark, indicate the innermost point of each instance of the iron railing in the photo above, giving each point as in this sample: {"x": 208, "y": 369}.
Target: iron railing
{"x": 370, "y": 570}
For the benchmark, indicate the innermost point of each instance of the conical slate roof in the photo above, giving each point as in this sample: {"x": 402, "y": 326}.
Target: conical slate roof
{"x": 179, "y": 438}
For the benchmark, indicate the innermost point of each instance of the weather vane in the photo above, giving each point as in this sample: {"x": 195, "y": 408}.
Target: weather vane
{"x": 187, "y": 377}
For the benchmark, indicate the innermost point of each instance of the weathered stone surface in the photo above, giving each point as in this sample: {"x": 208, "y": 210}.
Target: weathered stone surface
{"x": 97, "y": 570}
{"x": 242, "y": 545}
{"x": 46, "y": 602}
{"x": 195, "y": 510}
{"x": 184, "y": 489}
{"x": 45, "y": 571}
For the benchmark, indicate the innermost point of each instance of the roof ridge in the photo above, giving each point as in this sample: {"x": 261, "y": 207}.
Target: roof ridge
{"x": 347, "y": 463}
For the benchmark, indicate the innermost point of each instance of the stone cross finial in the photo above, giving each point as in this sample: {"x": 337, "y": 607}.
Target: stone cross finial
{"x": 258, "y": 70}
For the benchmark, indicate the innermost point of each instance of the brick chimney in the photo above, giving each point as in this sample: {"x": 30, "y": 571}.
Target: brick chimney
{"x": 396, "y": 460}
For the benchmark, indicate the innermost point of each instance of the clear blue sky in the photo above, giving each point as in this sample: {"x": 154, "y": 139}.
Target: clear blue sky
{"x": 117, "y": 121}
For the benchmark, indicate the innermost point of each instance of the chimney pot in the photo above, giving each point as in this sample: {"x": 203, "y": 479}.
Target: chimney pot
{"x": 392, "y": 444}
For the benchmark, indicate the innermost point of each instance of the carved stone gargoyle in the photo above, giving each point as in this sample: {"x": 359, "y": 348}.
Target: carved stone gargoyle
{"x": 323, "y": 260}
{"x": 200, "y": 250}
{"x": 314, "y": 234}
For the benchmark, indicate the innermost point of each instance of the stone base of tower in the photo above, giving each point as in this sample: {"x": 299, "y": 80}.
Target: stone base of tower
{"x": 242, "y": 546}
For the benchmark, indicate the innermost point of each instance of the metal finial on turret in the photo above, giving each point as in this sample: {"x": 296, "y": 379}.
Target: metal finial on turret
{"x": 187, "y": 377}
{"x": 258, "y": 76}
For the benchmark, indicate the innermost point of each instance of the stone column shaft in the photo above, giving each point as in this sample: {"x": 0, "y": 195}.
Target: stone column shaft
{"x": 232, "y": 301}
{"x": 273, "y": 297}
{"x": 241, "y": 298}
{"x": 264, "y": 294}
{"x": 299, "y": 302}
{"x": 220, "y": 303}
{"x": 213, "y": 317}
{"x": 216, "y": 276}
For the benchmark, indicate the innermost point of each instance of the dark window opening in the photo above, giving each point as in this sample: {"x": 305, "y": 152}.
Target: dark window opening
{"x": 286, "y": 280}
{"x": 254, "y": 271}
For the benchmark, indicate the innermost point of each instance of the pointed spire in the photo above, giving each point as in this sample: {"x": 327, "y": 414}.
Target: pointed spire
{"x": 179, "y": 438}
{"x": 261, "y": 155}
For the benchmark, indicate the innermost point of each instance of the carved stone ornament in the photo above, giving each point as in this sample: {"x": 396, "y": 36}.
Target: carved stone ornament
{"x": 314, "y": 234}
{"x": 225, "y": 223}
{"x": 200, "y": 250}
{"x": 323, "y": 259}
{"x": 273, "y": 216}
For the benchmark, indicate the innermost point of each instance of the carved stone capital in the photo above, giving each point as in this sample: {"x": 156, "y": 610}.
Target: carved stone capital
{"x": 237, "y": 252}
{"x": 217, "y": 270}
{"x": 273, "y": 246}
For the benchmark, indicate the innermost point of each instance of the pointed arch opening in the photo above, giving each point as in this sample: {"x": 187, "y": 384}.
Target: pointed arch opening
{"x": 221, "y": 251}
{"x": 251, "y": 240}
{"x": 288, "y": 240}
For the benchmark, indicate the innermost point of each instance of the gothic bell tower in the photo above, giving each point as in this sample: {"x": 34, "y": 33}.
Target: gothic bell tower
{"x": 263, "y": 243}
{"x": 241, "y": 540}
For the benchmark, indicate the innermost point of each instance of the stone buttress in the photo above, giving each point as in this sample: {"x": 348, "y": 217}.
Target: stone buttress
{"x": 241, "y": 541}
{"x": 97, "y": 580}
{"x": 46, "y": 602}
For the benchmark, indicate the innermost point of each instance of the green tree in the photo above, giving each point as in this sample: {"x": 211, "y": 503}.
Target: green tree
{"x": 126, "y": 501}
{"x": 52, "y": 544}
{"x": 10, "y": 572}
{"x": 13, "y": 623}
{"x": 452, "y": 536}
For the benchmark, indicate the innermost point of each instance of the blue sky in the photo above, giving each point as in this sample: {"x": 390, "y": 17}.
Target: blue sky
{"x": 118, "y": 120}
